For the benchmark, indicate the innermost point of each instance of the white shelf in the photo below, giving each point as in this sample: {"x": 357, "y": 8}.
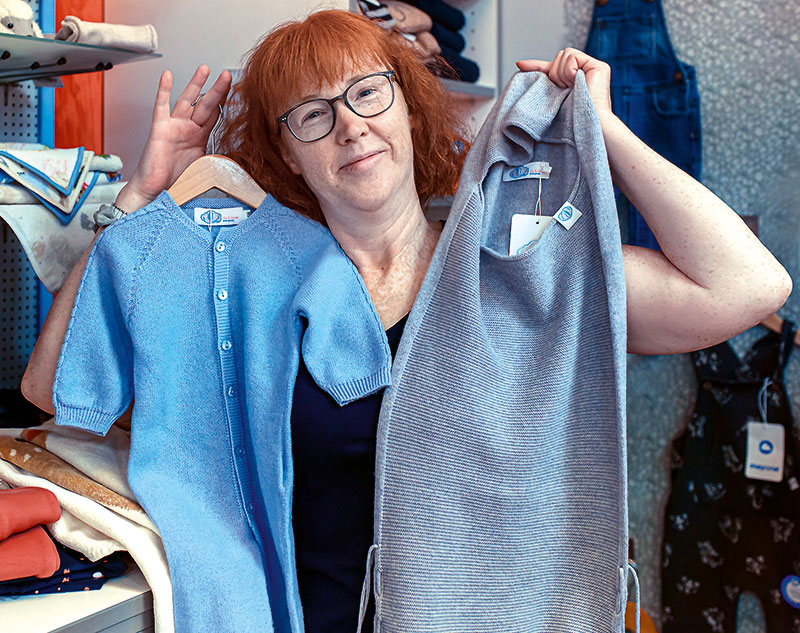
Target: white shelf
{"x": 23, "y": 58}
{"x": 125, "y": 603}
{"x": 469, "y": 90}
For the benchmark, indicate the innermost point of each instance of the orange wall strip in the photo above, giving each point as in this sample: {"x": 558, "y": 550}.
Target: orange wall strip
{"x": 79, "y": 104}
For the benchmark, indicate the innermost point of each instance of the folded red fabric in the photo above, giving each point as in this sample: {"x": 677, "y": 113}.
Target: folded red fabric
{"x": 22, "y": 508}
{"x": 28, "y": 553}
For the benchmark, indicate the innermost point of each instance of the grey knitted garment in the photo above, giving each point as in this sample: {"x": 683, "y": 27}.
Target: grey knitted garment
{"x": 500, "y": 502}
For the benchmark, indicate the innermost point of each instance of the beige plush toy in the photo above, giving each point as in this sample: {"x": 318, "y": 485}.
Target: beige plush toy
{"x": 16, "y": 17}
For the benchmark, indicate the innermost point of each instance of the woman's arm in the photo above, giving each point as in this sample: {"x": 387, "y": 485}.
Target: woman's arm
{"x": 176, "y": 139}
{"x": 714, "y": 278}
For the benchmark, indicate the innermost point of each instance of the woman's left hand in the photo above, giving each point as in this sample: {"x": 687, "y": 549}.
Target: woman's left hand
{"x": 565, "y": 66}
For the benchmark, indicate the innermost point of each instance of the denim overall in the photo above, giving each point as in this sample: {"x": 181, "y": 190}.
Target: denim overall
{"x": 652, "y": 91}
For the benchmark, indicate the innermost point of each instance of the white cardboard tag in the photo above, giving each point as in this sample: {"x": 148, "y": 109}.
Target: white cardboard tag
{"x": 525, "y": 230}
{"x": 765, "y": 449}
{"x": 220, "y": 217}
{"x": 567, "y": 215}
{"x": 536, "y": 169}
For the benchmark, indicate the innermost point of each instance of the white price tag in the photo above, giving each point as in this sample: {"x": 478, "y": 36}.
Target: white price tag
{"x": 525, "y": 230}
{"x": 765, "y": 449}
{"x": 220, "y": 217}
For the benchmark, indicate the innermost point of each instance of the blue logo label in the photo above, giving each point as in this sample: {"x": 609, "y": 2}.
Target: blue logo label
{"x": 519, "y": 172}
{"x": 211, "y": 217}
{"x": 565, "y": 214}
{"x": 790, "y": 588}
{"x": 766, "y": 447}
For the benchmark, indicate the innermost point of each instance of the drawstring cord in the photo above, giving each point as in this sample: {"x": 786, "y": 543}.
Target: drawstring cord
{"x": 365, "y": 588}
{"x": 632, "y": 569}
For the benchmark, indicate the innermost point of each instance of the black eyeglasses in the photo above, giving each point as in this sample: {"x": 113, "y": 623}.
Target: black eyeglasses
{"x": 367, "y": 97}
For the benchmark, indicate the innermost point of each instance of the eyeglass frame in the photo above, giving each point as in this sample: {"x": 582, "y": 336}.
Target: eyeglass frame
{"x": 391, "y": 75}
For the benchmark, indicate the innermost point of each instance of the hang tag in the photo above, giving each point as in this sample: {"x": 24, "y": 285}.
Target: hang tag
{"x": 220, "y": 217}
{"x": 765, "y": 448}
{"x": 525, "y": 230}
{"x": 567, "y": 215}
{"x": 537, "y": 169}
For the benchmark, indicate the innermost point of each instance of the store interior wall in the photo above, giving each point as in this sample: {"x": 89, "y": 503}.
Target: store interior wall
{"x": 745, "y": 54}
{"x": 190, "y": 33}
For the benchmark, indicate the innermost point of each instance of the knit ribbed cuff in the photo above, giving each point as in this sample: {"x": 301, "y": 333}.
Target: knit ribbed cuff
{"x": 346, "y": 392}
{"x": 93, "y": 420}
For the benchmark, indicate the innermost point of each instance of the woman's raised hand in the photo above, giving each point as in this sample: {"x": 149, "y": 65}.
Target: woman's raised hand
{"x": 176, "y": 139}
{"x": 565, "y": 66}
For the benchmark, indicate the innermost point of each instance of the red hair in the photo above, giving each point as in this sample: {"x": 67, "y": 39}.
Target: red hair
{"x": 322, "y": 48}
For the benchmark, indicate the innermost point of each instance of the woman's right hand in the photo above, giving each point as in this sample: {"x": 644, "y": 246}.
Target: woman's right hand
{"x": 176, "y": 139}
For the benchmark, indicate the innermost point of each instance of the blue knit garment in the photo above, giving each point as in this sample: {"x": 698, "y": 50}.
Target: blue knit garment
{"x": 500, "y": 501}
{"x": 206, "y": 326}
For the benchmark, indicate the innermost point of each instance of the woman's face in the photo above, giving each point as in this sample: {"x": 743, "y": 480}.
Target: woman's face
{"x": 364, "y": 162}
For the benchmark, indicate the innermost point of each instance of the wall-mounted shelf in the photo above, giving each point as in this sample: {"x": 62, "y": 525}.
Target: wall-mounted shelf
{"x": 469, "y": 90}
{"x": 24, "y": 58}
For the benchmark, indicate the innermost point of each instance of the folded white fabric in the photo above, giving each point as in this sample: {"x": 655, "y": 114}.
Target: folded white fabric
{"x": 143, "y": 545}
{"x": 142, "y": 39}
{"x": 52, "y": 247}
{"x": 82, "y": 537}
{"x": 17, "y": 194}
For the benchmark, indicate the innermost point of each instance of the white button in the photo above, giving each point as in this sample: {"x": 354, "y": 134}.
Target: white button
{"x": 226, "y": 345}
{"x": 220, "y": 246}
{"x": 231, "y": 392}
{"x": 222, "y": 295}
{"x": 240, "y": 451}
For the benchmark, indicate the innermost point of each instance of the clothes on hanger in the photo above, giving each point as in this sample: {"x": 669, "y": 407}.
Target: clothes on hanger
{"x": 652, "y": 91}
{"x": 500, "y": 491}
{"x": 206, "y": 323}
{"x": 724, "y": 532}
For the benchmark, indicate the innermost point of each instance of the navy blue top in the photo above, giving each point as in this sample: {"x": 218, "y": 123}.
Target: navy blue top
{"x": 333, "y": 450}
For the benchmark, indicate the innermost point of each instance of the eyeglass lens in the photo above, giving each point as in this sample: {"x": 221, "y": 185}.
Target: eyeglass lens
{"x": 367, "y": 97}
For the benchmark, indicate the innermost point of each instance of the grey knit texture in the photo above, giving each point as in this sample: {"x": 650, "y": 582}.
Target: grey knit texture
{"x": 501, "y": 486}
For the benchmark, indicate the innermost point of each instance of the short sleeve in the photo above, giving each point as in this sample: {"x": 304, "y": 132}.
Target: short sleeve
{"x": 344, "y": 345}
{"x": 93, "y": 385}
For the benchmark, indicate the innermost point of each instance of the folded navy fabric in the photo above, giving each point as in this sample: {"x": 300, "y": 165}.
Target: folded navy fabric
{"x": 75, "y": 573}
{"x": 446, "y": 37}
{"x": 442, "y": 13}
{"x": 466, "y": 69}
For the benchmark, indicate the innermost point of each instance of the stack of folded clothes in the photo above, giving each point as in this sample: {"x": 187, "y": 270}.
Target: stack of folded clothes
{"x": 31, "y": 562}
{"x": 49, "y": 196}
{"x": 433, "y": 28}
{"x": 100, "y": 518}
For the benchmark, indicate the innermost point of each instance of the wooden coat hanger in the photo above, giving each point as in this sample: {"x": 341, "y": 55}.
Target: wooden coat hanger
{"x": 214, "y": 171}
{"x": 774, "y": 323}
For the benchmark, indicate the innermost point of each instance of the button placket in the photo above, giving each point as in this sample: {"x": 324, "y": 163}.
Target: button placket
{"x": 221, "y": 260}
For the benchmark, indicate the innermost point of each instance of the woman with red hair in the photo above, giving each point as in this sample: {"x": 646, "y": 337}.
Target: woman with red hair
{"x": 341, "y": 121}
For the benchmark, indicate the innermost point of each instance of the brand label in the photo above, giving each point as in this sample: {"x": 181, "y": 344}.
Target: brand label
{"x": 567, "y": 215}
{"x": 790, "y": 588}
{"x": 765, "y": 447}
{"x": 536, "y": 169}
{"x": 220, "y": 217}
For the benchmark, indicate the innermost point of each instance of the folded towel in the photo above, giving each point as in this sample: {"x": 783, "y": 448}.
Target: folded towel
{"x": 143, "y": 545}
{"x": 141, "y": 39}
{"x": 102, "y": 458}
{"x": 452, "y": 40}
{"x": 28, "y": 553}
{"x": 442, "y": 13}
{"x": 407, "y": 18}
{"x": 41, "y": 462}
{"x": 52, "y": 247}
{"x": 23, "y": 508}
{"x": 73, "y": 573}
{"x": 98, "y": 194}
